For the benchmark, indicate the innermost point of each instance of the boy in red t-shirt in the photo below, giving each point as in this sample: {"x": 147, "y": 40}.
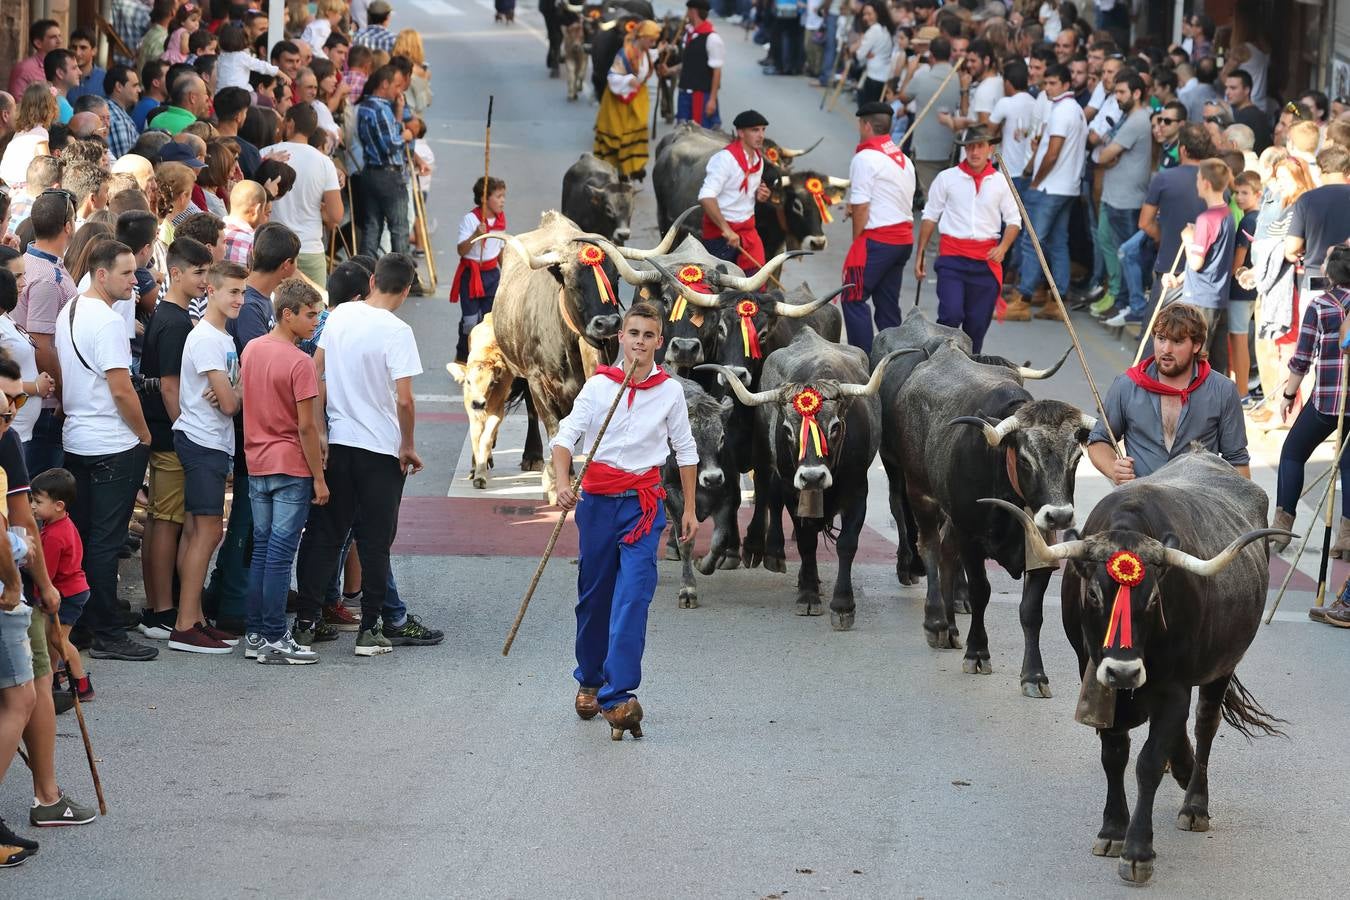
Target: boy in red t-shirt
{"x": 53, "y": 491}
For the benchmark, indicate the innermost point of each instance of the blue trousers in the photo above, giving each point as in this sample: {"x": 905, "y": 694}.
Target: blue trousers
{"x": 967, "y": 294}
{"x": 280, "y": 507}
{"x": 615, "y": 584}
{"x": 1049, "y": 213}
{"x": 1137, "y": 256}
{"x": 471, "y": 311}
{"x": 882, "y": 279}
{"x": 686, "y": 110}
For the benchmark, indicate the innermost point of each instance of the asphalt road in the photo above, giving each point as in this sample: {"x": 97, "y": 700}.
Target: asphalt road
{"x": 781, "y": 759}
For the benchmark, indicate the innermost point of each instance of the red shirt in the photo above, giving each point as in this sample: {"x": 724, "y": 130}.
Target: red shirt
{"x": 64, "y": 554}
{"x": 275, "y": 376}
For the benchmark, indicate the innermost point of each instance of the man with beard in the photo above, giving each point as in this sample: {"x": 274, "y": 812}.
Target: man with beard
{"x": 1127, "y": 159}
{"x": 1144, "y": 406}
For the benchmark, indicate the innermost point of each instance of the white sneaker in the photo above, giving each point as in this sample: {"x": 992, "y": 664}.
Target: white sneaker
{"x": 1118, "y": 320}
{"x": 285, "y": 652}
{"x": 253, "y": 643}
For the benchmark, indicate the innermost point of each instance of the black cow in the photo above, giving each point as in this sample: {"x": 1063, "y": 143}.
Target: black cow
{"x": 1188, "y": 540}
{"x": 596, "y": 200}
{"x": 817, "y": 427}
{"x": 606, "y": 28}
{"x": 1021, "y": 450}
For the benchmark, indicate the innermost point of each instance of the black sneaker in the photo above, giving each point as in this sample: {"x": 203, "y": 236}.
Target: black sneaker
{"x": 307, "y": 634}
{"x": 61, "y": 699}
{"x": 122, "y": 649}
{"x": 10, "y": 839}
{"x": 413, "y": 633}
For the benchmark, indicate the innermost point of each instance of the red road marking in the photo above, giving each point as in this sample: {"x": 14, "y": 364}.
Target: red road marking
{"x": 443, "y": 417}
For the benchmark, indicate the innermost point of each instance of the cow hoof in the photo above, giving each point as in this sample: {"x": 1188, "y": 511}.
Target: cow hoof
{"x": 706, "y": 565}
{"x": 1135, "y": 871}
{"x": 943, "y": 638}
{"x": 809, "y": 607}
{"x": 776, "y": 564}
{"x": 729, "y": 560}
{"x": 479, "y": 482}
{"x": 1107, "y": 846}
{"x": 841, "y": 621}
{"x": 688, "y": 598}
{"x": 1036, "y": 690}
{"x": 751, "y": 558}
{"x": 977, "y": 666}
{"x": 1192, "y": 820}
{"x": 531, "y": 465}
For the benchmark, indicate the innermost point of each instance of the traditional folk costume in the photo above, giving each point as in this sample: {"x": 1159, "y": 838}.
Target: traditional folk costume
{"x": 881, "y": 176}
{"x": 475, "y": 283}
{"x": 732, "y": 177}
{"x": 621, "y": 123}
{"x": 971, "y": 210}
{"x": 620, "y": 518}
{"x": 702, "y": 53}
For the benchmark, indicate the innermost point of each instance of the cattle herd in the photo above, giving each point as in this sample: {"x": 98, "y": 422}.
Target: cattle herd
{"x": 1162, "y": 590}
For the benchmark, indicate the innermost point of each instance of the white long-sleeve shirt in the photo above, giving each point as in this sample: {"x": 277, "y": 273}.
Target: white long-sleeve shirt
{"x": 962, "y": 212}
{"x": 232, "y": 69}
{"x": 723, "y": 181}
{"x": 639, "y": 436}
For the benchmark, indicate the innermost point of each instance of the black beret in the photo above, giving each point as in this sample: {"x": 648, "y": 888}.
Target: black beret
{"x": 875, "y": 107}
{"x": 749, "y": 119}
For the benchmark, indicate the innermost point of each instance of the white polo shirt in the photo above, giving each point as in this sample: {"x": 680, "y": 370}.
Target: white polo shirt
{"x": 875, "y": 179}
{"x": 1017, "y": 116}
{"x": 1066, "y": 121}
{"x": 961, "y": 212}
{"x": 723, "y": 182}
{"x": 986, "y": 94}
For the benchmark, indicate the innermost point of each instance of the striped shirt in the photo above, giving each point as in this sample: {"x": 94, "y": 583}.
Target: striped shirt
{"x": 376, "y": 37}
{"x": 379, "y": 132}
{"x": 238, "y": 241}
{"x": 1318, "y": 343}
{"x": 130, "y": 19}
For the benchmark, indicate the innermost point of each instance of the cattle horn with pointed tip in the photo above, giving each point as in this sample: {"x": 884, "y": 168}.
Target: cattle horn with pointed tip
{"x": 754, "y": 282}
{"x": 1207, "y": 567}
{"x": 838, "y": 183}
{"x": 743, "y": 394}
{"x": 1035, "y": 541}
{"x": 994, "y": 434}
{"x": 793, "y": 154}
{"x": 536, "y": 261}
{"x": 1042, "y": 374}
{"x": 667, "y": 241}
{"x": 801, "y": 310}
{"x": 697, "y": 298}
{"x": 578, "y": 9}
{"x": 874, "y": 383}
{"x": 626, "y": 272}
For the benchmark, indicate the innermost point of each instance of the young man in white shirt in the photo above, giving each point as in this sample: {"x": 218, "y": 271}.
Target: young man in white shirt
{"x": 105, "y": 437}
{"x": 1012, "y": 123}
{"x": 314, "y": 202}
{"x": 1056, "y": 181}
{"x": 881, "y": 207}
{"x": 620, "y": 515}
{"x": 475, "y": 283}
{"x": 971, "y": 205}
{"x": 203, "y": 437}
{"x": 731, "y": 186}
{"x": 366, "y": 362}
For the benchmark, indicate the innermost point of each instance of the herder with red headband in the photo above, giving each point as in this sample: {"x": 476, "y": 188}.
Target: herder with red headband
{"x": 620, "y": 515}
{"x": 731, "y": 186}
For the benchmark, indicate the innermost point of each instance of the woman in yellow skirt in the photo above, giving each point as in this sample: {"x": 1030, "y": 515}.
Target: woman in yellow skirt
{"x": 621, "y": 123}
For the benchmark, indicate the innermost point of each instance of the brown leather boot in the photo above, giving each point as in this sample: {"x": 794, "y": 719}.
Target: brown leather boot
{"x": 1018, "y": 309}
{"x": 1050, "y": 311}
{"x": 1285, "y": 522}
{"x": 1041, "y": 296}
{"x": 587, "y": 706}
{"x": 627, "y": 716}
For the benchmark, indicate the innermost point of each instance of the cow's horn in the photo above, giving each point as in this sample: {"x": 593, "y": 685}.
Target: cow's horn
{"x": 1207, "y": 567}
{"x": 577, "y": 9}
{"x": 667, "y": 241}
{"x": 793, "y": 154}
{"x": 874, "y": 383}
{"x": 839, "y": 183}
{"x": 1087, "y": 422}
{"x": 743, "y": 394}
{"x": 1042, "y": 374}
{"x": 1036, "y": 541}
{"x": 626, "y": 272}
{"x": 785, "y": 181}
{"x": 536, "y": 261}
{"x": 697, "y": 298}
{"x": 994, "y": 434}
{"x": 801, "y": 310}
{"x": 756, "y": 281}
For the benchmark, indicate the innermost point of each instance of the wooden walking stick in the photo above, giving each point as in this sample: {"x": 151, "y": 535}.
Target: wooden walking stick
{"x": 1059, "y": 301}
{"x": 79, "y": 717}
{"x": 557, "y": 529}
{"x": 1157, "y": 307}
{"x": 487, "y": 158}
{"x": 1293, "y": 566}
{"x": 839, "y": 84}
{"x": 420, "y": 210}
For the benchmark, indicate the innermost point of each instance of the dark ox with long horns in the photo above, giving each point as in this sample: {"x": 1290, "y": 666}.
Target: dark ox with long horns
{"x": 1163, "y": 593}
{"x": 596, "y": 199}
{"x": 817, "y": 428}
{"x": 961, "y": 430}
{"x": 556, "y": 306}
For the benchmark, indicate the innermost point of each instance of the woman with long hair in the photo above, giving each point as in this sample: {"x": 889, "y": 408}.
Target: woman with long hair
{"x": 409, "y": 44}
{"x": 329, "y": 98}
{"x": 175, "y": 181}
{"x": 76, "y": 259}
{"x": 874, "y": 51}
{"x": 37, "y": 112}
{"x": 621, "y": 123}
{"x": 20, "y": 345}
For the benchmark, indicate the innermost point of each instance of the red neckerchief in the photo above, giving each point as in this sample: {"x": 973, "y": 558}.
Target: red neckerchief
{"x": 615, "y": 374}
{"x": 475, "y": 267}
{"x": 977, "y": 177}
{"x": 1139, "y": 375}
{"x": 498, "y": 225}
{"x": 737, "y": 151}
{"x": 693, "y": 31}
{"x": 882, "y": 143}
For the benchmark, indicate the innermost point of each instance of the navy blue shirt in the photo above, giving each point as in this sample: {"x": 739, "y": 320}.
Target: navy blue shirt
{"x": 1173, "y": 193}
{"x": 255, "y": 319}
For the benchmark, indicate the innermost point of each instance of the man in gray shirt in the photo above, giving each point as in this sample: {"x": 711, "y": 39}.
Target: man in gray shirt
{"x": 1127, "y": 160}
{"x": 1169, "y": 401}
{"x": 932, "y": 141}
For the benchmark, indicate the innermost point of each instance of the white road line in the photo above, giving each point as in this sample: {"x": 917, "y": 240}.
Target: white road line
{"x": 437, "y": 8}
{"x": 438, "y": 398}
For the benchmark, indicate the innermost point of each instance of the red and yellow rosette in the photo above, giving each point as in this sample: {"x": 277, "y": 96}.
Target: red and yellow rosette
{"x": 816, "y": 188}
{"x": 630, "y": 26}
{"x": 692, "y": 276}
{"x": 1127, "y": 570}
{"x": 592, "y": 256}
{"x": 771, "y": 154}
{"x": 747, "y": 310}
{"x": 807, "y": 403}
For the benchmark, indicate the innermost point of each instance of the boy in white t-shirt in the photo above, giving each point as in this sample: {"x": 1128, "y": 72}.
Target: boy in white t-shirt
{"x": 208, "y": 398}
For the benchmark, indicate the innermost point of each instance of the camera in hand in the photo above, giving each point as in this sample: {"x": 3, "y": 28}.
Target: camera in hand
{"x": 145, "y": 385}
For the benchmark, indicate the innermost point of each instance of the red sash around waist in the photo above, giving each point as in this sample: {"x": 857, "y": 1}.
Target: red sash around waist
{"x": 475, "y": 270}
{"x": 855, "y": 262}
{"x": 751, "y": 258}
{"x": 606, "y": 481}
{"x": 977, "y": 248}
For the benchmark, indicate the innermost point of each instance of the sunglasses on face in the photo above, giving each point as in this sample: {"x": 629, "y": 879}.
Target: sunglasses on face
{"x": 1163, "y": 120}
{"x": 17, "y": 400}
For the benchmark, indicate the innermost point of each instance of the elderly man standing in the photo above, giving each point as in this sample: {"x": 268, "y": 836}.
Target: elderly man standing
{"x": 189, "y": 101}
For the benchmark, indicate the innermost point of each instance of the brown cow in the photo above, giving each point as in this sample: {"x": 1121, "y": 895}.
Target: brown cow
{"x": 487, "y": 382}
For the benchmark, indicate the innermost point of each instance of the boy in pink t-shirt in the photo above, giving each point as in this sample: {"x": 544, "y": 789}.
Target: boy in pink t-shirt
{"x": 282, "y": 422}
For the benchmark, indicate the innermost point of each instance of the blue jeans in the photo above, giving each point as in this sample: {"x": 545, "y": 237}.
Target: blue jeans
{"x": 830, "y": 49}
{"x": 44, "y": 449}
{"x": 280, "y": 507}
{"x": 1049, "y": 215}
{"x": 385, "y": 202}
{"x": 1114, "y": 227}
{"x": 1133, "y": 268}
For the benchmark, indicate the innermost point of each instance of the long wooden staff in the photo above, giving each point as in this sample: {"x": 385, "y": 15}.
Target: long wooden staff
{"x": 487, "y": 157}
{"x": 79, "y": 717}
{"x": 929, "y": 105}
{"x": 1293, "y": 565}
{"x": 1157, "y": 307}
{"x": 1059, "y": 301}
{"x": 420, "y": 211}
{"x": 557, "y": 529}
{"x": 839, "y": 85}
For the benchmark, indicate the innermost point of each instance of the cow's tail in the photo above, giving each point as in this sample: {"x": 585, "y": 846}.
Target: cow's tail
{"x": 1242, "y": 711}
{"x": 520, "y": 390}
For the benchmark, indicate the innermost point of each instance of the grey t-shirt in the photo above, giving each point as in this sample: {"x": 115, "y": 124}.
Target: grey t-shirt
{"x": 932, "y": 140}
{"x": 1125, "y": 184}
{"x": 1212, "y": 415}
